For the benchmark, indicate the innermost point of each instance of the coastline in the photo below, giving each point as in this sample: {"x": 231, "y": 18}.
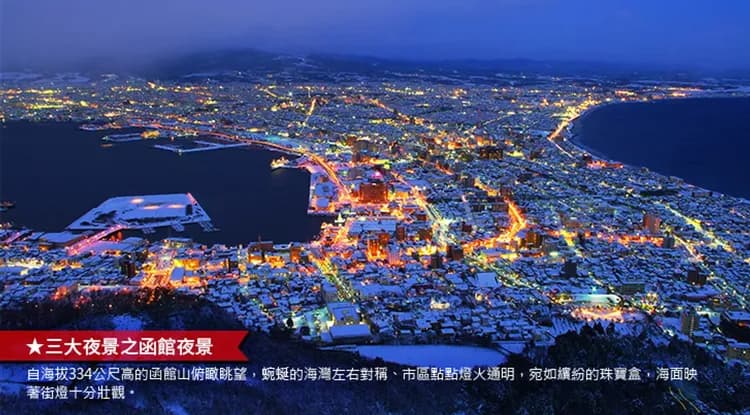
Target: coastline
{"x": 228, "y": 215}
{"x": 264, "y": 142}
{"x": 576, "y": 139}
{"x": 573, "y": 135}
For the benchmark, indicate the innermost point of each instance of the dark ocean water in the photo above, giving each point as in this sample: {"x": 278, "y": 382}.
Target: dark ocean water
{"x": 705, "y": 141}
{"x": 56, "y": 172}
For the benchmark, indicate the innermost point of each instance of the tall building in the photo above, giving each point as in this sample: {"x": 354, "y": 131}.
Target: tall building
{"x": 436, "y": 261}
{"x": 425, "y": 234}
{"x": 295, "y": 253}
{"x": 383, "y": 239}
{"x": 696, "y": 277}
{"x": 256, "y": 251}
{"x": 127, "y": 267}
{"x": 651, "y": 223}
{"x": 394, "y": 256}
{"x": 533, "y": 239}
{"x": 569, "y": 269}
{"x": 373, "y": 249}
{"x": 230, "y": 264}
{"x": 362, "y": 149}
{"x": 400, "y": 233}
{"x": 491, "y": 152}
{"x": 455, "y": 252}
{"x": 669, "y": 241}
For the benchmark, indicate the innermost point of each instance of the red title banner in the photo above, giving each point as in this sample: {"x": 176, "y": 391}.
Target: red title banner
{"x": 122, "y": 346}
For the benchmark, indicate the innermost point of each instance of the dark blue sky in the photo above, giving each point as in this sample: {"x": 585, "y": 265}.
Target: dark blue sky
{"x": 699, "y": 32}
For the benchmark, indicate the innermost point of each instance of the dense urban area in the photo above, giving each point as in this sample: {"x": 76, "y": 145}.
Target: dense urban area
{"x": 459, "y": 212}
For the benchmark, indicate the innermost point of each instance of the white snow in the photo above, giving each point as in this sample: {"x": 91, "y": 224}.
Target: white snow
{"x": 174, "y": 408}
{"x": 127, "y": 322}
{"x": 12, "y": 378}
{"x": 513, "y": 347}
{"x": 18, "y": 76}
{"x": 434, "y": 355}
{"x": 137, "y": 212}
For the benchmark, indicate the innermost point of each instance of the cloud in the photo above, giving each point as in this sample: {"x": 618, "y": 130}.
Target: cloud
{"x": 53, "y": 31}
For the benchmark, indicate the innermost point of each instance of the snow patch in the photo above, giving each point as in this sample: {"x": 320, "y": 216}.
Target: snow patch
{"x": 127, "y": 322}
{"x": 434, "y": 355}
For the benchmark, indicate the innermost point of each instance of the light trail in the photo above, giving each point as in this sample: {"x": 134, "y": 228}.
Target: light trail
{"x": 720, "y": 282}
{"x": 571, "y": 114}
{"x": 309, "y": 112}
{"x": 84, "y": 244}
{"x": 556, "y": 133}
{"x": 696, "y": 224}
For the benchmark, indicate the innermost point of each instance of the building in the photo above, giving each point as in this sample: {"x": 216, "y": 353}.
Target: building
{"x": 738, "y": 351}
{"x": 350, "y": 334}
{"x": 127, "y": 267}
{"x": 53, "y": 240}
{"x": 256, "y": 251}
{"x": 491, "y": 152}
{"x": 177, "y": 275}
{"x": 394, "y": 256}
{"x": 486, "y": 280}
{"x": 295, "y": 253}
{"x": 695, "y": 277}
{"x": 363, "y": 149}
{"x": 383, "y": 239}
{"x": 329, "y": 293}
{"x": 632, "y": 287}
{"x": 374, "y": 249}
{"x": 343, "y": 313}
{"x": 455, "y": 252}
{"x": 737, "y": 318}
{"x": 669, "y": 242}
{"x": 436, "y": 261}
{"x": 689, "y": 321}
{"x": 569, "y": 269}
{"x": 259, "y": 246}
{"x": 651, "y": 223}
{"x": 400, "y": 233}
{"x": 373, "y": 191}
{"x": 533, "y": 239}
{"x": 425, "y": 234}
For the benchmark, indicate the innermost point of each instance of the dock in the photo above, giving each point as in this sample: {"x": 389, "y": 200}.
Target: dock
{"x": 205, "y": 146}
{"x": 122, "y": 138}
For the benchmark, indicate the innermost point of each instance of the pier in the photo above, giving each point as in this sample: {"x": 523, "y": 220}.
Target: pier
{"x": 205, "y": 146}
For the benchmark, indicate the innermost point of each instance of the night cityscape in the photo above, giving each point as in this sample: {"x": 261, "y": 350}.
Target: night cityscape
{"x": 461, "y": 232}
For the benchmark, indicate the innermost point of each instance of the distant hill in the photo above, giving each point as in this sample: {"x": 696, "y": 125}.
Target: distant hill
{"x": 252, "y": 60}
{"x": 324, "y": 66}
{"x": 247, "y": 64}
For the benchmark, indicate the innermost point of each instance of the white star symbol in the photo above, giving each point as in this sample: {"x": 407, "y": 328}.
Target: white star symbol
{"x": 35, "y": 347}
